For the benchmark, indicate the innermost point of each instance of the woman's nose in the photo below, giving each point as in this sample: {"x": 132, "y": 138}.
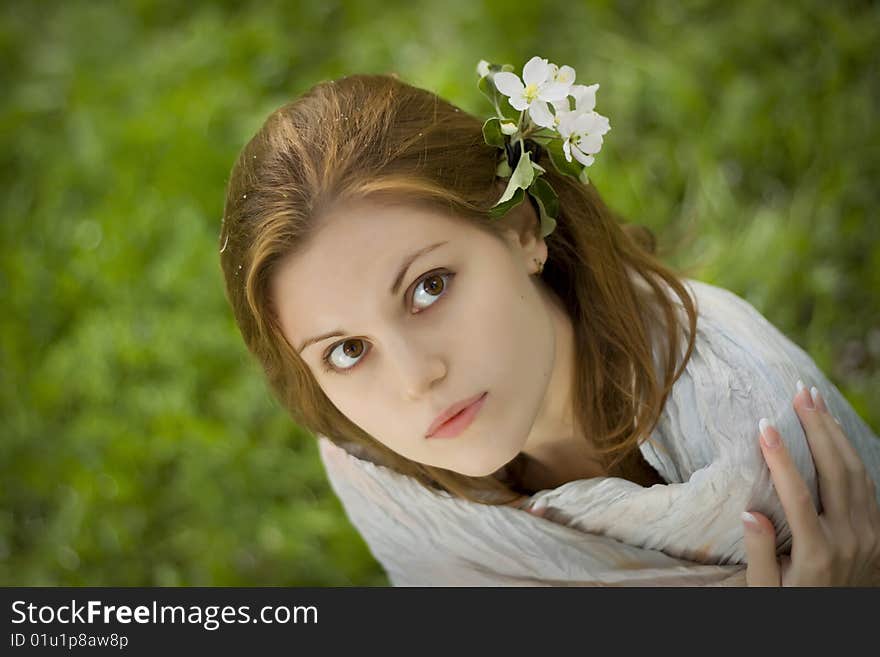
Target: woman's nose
{"x": 418, "y": 369}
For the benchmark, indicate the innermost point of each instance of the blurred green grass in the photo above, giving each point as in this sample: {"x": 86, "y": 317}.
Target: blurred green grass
{"x": 140, "y": 445}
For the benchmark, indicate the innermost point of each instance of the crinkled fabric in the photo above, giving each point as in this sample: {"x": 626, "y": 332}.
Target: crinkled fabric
{"x": 608, "y": 531}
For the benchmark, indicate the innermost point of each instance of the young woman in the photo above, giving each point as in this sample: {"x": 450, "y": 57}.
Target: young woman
{"x": 461, "y": 369}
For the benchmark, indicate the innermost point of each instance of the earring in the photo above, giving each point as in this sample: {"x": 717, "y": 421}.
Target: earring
{"x": 540, "y": 266}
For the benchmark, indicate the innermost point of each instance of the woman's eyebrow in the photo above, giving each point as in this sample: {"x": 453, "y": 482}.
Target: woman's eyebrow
{"x": 408, "y": 261}
{"x": 404, "y": 267}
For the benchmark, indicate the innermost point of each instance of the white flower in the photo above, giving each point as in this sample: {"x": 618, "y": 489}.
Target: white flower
{"x": 584, "y": 101}
{"x": 508, "y": 128}
{"x": 584, "y": 97}
{"x": 582, "y": 132}
{"x": 540, "y": 88}
{"x": 565, "y": 75}
{"x": 483, "y": 68}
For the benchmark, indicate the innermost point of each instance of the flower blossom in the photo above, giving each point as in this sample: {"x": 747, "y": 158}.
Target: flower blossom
{"x": 544, "y": 83}
{"x": 582, "y": 132}
{"x": 584, "y": 101}
{"x": 564, "y": 74}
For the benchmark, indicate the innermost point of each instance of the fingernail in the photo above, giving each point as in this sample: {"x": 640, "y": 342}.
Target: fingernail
{"x": 801, "y": 387}
{"x": 539, "y": 505}
{"x": 814, "y": 393}
{"x": 771, "y": 440}
{"x": 750, "y": 522}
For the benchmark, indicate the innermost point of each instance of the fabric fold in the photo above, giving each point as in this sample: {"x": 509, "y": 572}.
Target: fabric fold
{"x": 608, "y": 531}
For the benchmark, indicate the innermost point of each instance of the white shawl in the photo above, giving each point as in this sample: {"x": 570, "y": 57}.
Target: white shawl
{"x": 610, "y": 531}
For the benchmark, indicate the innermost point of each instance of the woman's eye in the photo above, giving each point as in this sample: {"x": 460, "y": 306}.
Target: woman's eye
{"x": 430, "y": 288}
{"x": 345, "y": 356}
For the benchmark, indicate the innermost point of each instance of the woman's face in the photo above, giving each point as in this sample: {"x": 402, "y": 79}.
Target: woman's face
{"x": 465, "y": 316}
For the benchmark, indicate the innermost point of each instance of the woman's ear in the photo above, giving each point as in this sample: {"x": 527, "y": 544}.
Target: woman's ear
{"x": 522, "y": 226}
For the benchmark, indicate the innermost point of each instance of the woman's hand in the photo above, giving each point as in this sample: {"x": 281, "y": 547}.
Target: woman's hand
{"x": 841, "y": 547}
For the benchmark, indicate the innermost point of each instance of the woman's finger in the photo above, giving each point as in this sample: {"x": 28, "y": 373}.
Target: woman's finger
{"x": 791, "y": 488}
{"x": 860, "y": 495}
{"x": 762, "y": 569}
{"x": 830, "y": 468}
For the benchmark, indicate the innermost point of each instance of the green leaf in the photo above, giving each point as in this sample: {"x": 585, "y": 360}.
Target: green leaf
{"x": 521, "y": 177}
{"x": 563, "y": 166}
{"x": 544, "y": 192}
{"x": 548, "y": 204}
{"x": 503, "y": 169}
{"x": 543, "y": 135}
{"x": 487, "y": 87}
{"x": 500, "y": 209}
{"x": 492, "y": 132}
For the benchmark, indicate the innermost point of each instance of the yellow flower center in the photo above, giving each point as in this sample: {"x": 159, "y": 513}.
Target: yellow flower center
{"x": 531, "y": 92}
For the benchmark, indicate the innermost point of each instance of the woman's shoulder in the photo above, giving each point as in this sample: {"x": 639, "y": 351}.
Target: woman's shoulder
{"x": 731, "y": 332}
{"x": 741, "y": 369}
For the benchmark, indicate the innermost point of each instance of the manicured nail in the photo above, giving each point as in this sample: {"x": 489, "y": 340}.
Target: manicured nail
{"x": 818, "y": 399}
{"x": 539, "y": 505}
{"x": 751, "y": 522}
{"x": 771, "y": 440}
{"x": 801, "y": 387}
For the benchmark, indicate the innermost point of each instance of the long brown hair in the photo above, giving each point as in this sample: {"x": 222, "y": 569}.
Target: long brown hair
{"x": 374, "y": 135}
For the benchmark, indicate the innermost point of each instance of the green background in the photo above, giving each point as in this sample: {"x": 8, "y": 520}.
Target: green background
{"x": 140, "y": 445}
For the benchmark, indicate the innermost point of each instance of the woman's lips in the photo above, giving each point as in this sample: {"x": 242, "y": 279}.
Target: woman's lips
{"x": 458, "y": 423}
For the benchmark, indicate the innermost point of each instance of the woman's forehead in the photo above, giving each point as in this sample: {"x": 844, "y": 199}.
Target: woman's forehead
{"x": 380, "y": 230}
{"x": 364, "y": 251}
{"x": 390, "y": 210}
